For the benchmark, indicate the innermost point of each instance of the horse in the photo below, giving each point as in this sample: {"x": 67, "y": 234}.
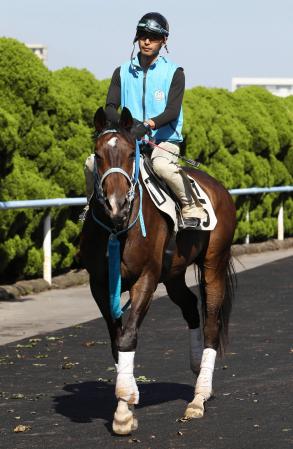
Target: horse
{"x": 119, "y": 211}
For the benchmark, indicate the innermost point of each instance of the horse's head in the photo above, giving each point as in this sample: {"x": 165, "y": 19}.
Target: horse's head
{"x": 114, "y": 165}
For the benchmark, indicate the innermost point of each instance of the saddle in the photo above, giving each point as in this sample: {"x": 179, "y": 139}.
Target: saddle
{"x": 166, "y": 201}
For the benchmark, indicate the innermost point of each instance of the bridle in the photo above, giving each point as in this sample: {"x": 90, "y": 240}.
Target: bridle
{"x": 133, "y": 180}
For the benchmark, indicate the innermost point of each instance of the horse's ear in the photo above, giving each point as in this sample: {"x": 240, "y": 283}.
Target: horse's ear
{"x": 126, "y": 120}
{"x": 100, "y": 119}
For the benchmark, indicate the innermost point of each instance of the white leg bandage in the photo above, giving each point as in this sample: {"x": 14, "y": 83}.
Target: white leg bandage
{"x": 126, "y": 388}
{"x": 196, "y": 349}
{"x": 205, "y": 378}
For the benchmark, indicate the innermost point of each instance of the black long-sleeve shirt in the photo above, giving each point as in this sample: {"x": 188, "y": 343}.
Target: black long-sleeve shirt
{"x": 174, "y": 100}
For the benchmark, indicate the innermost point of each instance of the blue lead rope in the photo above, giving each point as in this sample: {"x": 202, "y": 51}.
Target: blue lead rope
{"x": 114, "y": 265}
{"x": 114, "y": 276}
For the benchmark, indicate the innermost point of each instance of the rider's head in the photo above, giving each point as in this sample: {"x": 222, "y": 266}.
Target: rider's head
{"x": 152, "y": 32}
{"x": 154, "y": 25}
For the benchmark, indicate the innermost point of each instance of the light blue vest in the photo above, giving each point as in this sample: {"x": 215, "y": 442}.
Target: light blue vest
{"x": 145, "y": 94}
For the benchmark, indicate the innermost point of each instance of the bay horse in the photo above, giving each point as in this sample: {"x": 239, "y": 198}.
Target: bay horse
{"x": 120, "y": 209}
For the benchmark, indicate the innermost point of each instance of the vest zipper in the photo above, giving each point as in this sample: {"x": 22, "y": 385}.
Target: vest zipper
{"x": 143, "y": 94}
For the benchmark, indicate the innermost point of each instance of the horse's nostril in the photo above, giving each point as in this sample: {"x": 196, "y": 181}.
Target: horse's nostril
{"x": 126, "y": 204}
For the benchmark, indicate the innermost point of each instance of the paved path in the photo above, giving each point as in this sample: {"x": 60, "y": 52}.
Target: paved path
{"x": 56, "y": 309}
{"x": 61, "y": 385}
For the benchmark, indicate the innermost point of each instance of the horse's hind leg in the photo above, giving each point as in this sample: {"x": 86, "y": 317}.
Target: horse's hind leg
{"x": 217, "y": 311}
{"x": 184, "y": 298}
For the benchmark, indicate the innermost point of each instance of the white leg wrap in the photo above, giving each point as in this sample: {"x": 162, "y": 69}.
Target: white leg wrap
{"x": 126, "y": 388}
{"x": 196, "y": 349}
{"x": 204, "y": 381}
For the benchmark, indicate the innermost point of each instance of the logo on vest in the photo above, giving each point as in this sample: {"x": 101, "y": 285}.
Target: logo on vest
{"x": 159, "y": 95}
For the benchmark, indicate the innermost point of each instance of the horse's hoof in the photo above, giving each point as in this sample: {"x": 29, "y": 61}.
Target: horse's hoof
{"x": 195, "y": 409}
{"x": 124, "y": 423}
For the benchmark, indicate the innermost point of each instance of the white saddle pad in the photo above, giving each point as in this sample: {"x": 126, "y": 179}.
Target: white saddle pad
{"x": 164, "y": 203}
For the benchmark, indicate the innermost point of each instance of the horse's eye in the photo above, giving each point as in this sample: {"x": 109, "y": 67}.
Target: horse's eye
{"x": 132, "y": 155}
{"x": 98, "y": 157}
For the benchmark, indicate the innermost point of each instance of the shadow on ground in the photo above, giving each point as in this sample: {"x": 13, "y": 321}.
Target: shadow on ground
{"x": 88, "y": 401}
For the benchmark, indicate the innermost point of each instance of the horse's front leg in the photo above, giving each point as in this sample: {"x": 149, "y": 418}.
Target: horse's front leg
{"x": 126, "y": 389}
{"x": 100, "y": 293}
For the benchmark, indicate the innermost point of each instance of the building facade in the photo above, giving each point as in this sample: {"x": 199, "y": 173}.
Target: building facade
{"x": 282, "y": 87}
{"x": 39, "y": 50}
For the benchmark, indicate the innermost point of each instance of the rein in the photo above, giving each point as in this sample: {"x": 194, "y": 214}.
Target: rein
{"x": 113, "y": 248}
{"x": 195, "y": 164}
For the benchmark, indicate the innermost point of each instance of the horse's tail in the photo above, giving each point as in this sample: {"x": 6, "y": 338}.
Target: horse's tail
{"x": 226, "y": 308}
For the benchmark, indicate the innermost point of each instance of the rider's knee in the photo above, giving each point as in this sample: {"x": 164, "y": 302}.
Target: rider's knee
{"x": 89, "y": 163}
{"x": 160, "y": 166}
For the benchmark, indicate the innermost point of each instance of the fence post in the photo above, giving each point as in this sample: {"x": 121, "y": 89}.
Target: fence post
{"x": 281, "y": 223}
{"x": 47, "y": 268}
{"x": 247, "y": 219}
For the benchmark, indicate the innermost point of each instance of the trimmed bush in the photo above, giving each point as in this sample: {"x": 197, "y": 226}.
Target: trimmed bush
{"x": 243, "y": 139}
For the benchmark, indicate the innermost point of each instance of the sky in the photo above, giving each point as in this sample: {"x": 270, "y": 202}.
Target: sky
{"x": 213, "y": 40}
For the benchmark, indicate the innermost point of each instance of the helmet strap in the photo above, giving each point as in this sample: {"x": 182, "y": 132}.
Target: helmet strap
{"x": 131, "y": 56}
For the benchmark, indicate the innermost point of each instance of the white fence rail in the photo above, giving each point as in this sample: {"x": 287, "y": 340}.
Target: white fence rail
{"x": 61, "y": 202}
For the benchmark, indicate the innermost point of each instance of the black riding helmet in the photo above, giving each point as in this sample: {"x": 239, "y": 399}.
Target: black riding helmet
{"x": 152, "y": 22}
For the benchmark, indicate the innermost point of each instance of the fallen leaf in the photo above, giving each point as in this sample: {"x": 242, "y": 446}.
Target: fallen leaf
{"x": 88, "y": 344}
{"x": 69, "y": 365}
{"x": 54, "y": 338}
{"x": 41, "y": 356}
{"x": 21, "y": 428}
{"x": 183, "y": 419}
{"x": 111, "y": 368}
{"x": 17, "y": 396}
{"x": 143, "y": 379}
{"x": 28, "y": 345}
{"x": 101, "y": 379}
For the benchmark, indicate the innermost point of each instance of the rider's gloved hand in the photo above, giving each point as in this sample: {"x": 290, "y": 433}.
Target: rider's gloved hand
{"x": 140, "y": 129}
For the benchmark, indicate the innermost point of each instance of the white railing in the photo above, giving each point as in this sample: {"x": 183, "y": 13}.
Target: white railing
{"x": 61, "y": 202}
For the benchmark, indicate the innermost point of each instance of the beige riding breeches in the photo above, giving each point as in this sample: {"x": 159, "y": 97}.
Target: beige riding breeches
{"x": 166, "y": 167}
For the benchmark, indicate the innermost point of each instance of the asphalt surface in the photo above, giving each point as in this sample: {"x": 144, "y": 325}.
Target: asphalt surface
{"x": 24, "y": 317}
{"x": 61, "y": 385}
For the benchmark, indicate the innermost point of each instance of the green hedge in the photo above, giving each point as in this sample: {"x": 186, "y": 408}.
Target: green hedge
{"x": 243, "y": 139}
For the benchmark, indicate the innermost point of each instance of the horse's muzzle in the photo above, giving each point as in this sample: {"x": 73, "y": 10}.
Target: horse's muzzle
{"x": 118, "y": 211}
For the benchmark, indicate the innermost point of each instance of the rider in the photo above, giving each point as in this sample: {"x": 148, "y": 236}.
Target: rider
{"x": 152, "y": 88}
